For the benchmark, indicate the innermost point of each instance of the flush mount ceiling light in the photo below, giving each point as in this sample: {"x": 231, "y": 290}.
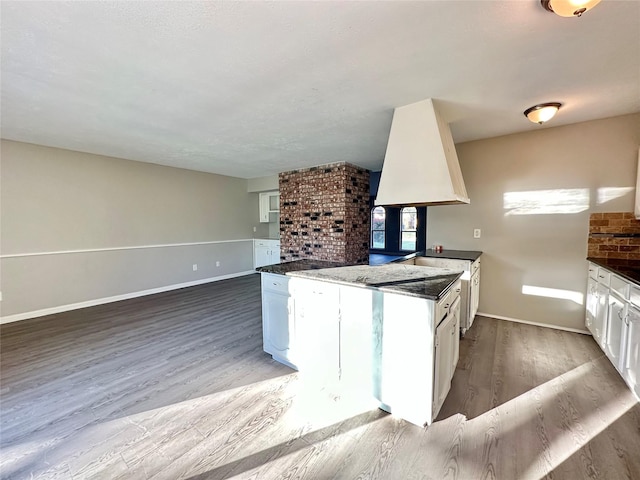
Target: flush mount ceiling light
{"x": 542, "y": 112}
{"x": 569, "y": 8}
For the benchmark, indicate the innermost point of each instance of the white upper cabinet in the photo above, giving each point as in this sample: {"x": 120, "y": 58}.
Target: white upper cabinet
{"x": 269, "y": 206}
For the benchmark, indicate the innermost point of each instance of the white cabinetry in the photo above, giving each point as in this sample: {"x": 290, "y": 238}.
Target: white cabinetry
{"x": 597, "y": 305}
{"x": 631, "y": 362}
{"x": 615, "y": 328}
{"x": 474, "y": 293}
{"x": 269, "y": 206}
{"x": 369, "y": 345}
{"x": 265, "y": 252}
{"x": 613, "y": 317}
{"x": 317, "y": 320}
{"x": 602, "y": 314}
{"x": 278, "y": 319}
{"x": 447, "y": 353}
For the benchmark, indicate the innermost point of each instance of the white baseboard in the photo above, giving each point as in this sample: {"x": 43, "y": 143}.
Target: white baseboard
{"x": 116, "y": 298}
{"x": 547, "y": 325}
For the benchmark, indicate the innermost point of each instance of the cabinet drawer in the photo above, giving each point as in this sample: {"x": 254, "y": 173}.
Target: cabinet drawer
{"x": 275, "y": 244}
{"x": 275, "y": 283}
{"x": 444, "y": 304}
{"x": 620, "y": 286}
{"x": 604, "y": 276}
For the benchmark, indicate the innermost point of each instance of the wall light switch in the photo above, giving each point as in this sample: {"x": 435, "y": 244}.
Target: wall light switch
{"x": 476, "y": 233}
{"x": 195, "y": 267}
{"x": 254, "y": 229}
{"x": 217, "y": 264}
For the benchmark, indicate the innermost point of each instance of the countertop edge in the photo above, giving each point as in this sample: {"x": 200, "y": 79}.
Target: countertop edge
{"x": 396, "y": 289}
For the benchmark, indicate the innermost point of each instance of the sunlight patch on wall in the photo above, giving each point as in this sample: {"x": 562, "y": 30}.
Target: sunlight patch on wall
{"x": 606, "y": 194}
{"x": 576, "y": 297}
{"x": 546, "y": 202}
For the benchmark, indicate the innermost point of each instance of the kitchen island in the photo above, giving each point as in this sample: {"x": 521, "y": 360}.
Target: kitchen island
{"x": 385, "y": 333}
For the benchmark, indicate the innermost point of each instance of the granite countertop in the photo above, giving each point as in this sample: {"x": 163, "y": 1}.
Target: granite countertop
{"x": 628, "y": 269}
{"x": 417, "y": 281}
{"x": 471, "y": 255}
{"x": 297, "y": 265}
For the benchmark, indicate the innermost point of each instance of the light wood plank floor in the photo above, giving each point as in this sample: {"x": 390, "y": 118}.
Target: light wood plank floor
{"x": 176, "y": 385}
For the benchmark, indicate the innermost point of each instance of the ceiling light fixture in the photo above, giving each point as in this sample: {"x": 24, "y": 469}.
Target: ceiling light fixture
{"x": 542, "y": 112}
{"x": 569, "y": 8}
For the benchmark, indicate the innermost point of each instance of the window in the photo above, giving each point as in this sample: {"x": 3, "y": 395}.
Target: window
{"x": 378, "y": 216}
{"x": 408, "y": 227}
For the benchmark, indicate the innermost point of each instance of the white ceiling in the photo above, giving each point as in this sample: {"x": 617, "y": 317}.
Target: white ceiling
{"x": 254, "y": 88}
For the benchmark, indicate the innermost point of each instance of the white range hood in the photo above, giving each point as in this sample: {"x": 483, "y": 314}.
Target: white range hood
{"x": 421, "y": 165}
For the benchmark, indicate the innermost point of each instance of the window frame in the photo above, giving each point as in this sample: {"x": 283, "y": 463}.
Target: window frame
{"x": 403, "y": 230}
{"x": 383, "y": 229}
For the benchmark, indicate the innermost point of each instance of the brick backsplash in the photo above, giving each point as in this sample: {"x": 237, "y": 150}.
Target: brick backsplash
{"x": 324, "y": 214}
{"x": 614, "y": 235}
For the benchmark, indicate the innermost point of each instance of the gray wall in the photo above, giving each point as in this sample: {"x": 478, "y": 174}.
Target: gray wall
{"x": 568, "y": 172}
{"x": 81, "y": 228}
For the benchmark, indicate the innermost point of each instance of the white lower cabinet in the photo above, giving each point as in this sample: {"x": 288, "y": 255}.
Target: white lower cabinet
{"x": 447, "y": 353}
{"x": 317, "y": 320}
{"x": 265, "y": 252}
{"x": 631, "y": 363}
{"x": 474, "y": 296}
{"x": 602, "y": 311}
{"x": 278, "y": 319}
{"x": 591, "y": 304}
{"x": 616, "y": 326}
{"x": 374, "y": 347}
{"x": 613, "y": 317}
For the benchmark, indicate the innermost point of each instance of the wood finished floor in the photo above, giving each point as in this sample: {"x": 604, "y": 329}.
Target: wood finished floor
{"x": 176, "y": 385}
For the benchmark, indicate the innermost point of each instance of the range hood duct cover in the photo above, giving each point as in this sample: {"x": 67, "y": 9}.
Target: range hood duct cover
{"x": 421, "y": 165}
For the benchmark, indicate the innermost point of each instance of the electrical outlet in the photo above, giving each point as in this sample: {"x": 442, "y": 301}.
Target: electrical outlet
{"x": 476, "y": 233}
{"x": 217, "y": 264}
{"x": 255, "y": 229}
{"x": 195, "y": 267}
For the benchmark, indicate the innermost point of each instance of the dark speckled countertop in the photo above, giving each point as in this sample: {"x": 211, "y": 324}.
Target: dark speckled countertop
{"x": 628, "y": 269}
{"x": 471, "y": 255}
{"x": 416, "y": 281}
{"x": 296, "y": 265}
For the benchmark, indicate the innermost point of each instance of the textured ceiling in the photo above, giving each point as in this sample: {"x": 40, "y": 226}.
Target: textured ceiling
{"x": 254, "y": 88}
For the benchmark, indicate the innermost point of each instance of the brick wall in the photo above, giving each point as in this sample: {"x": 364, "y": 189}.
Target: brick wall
{"x": 324, "y": 214}
{"x": 614, "y": 235}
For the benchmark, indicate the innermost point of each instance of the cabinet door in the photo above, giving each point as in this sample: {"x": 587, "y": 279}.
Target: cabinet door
{"x": 475, "y": 296}
{"x": 317, "y": 332}
{"x": 614, "y": 330}
{"x": 455, "y": 329}
{"x": 264, "y": 207}
{"x": 276, "y": 333}
{"x": 592, "y": 304}
{"x": 631, "y": 363}
{"x": 600, "y": 320}
{"x": 274, "y": 252}
{"x": 444, "y": 352}
{"x": 262, "y": 256}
